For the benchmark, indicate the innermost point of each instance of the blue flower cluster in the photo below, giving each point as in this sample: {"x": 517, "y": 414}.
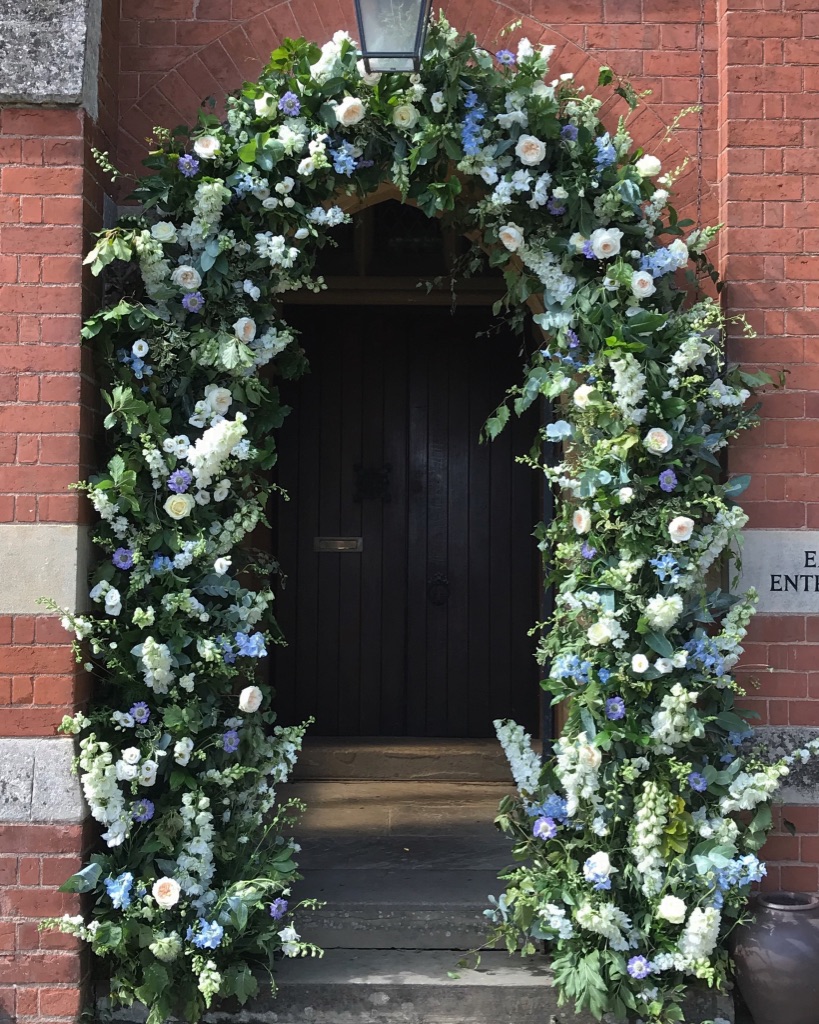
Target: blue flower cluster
{"x": 606, "y": 153}
{"x": 471, "y": 135}
{"x": 664, "y": 261}
{"x": 119, "y": 890}
{"x": 569, "y": 666}
{"x": 559, "y": 430}
{"x": 138, "y": 365}
{"x": 737, "y": 873}
{"x": 567, "y": 360}
{"x": 600, "y": 879}
{"x": 554, "y": 807}
{"x": 704, "y": 654}
{"x": 207, "y": 935}
{"x": 666, "y": 568}
{"x": 161, "y": 564}
{"x": 251, "y": 645}
{"x": 244, "y": 185}
{"x": 343, "y": 157}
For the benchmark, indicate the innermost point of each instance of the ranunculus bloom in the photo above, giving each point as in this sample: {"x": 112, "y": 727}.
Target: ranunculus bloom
{"x": 581, "y": 395}
{"x": 206, "y": 147}
{"x": 658, "y": 441}
{"x": 245, "y": 329}
{"x": 672, "y": 909}
{"x": 179, "y": 506}
{"x": 530, "y": 150}
{"x": 581, "y": 520}
{"x": 250, "y": 699}
{"x": 648, "y": 166}
{"x": 186, "y": 278}
{"x": 350, "y": 111}
{"x": 405, "y": 116}
{"x": 642, "y": 284}
{"x": 605, "y": 242}
{"x": 680, "y": 529}
{"x": 166, "y": 892}
{"x": 511, "y": 236}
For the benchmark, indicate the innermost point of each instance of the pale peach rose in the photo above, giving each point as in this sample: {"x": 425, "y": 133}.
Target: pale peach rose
{"x": 166, "y": 892}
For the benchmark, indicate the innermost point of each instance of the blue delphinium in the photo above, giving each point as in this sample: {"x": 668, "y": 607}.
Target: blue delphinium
{"x": 251, "y": 645}
{"x": 343, "y": 157}
{"x": 228, "y": 653}
{"x": 569, "y": 666}
{"x": 207, "y": 935}
{"x": 704, "y": 654}
{"x": 471, "y": 135}
{"x": 161, "y": 564}
{"x": 554, "y": 806}
{"x": 664, "y": 261}
{"x": 666, "y": 568}
{"x": 606, "y": 153}
{"x": 119, "y": 890}
{"x": 603, "y": 675}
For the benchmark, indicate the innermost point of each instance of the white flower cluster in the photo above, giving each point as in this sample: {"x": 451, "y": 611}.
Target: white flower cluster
{"x": 650, "y": 819}
{"x": 577, "y": 764}
{"x": 156, "y": 662}
{"x": 524, "y": 762}
{"x": 558, "y": 285}
{"x": 208, "y": 204}
{"x": 724, "y": 396}
{"x": 691, "y": 353}
{"x": 749, "y": 789}
{"x": 712, "y": 540}
{"x": 607, "y": 920}
{"x": 195, "y": 860}
{"x": 212, "y": 449}
{"x": 275, "y": 250}
{"x": 734, "y": 627}
{"x": 629, "y": 388}
{"x": 554, "y": 919}
{"x": 155, "y": 463}
{"x": 663, "y": 612}
{"x": 269, "y": 344}
{"x": 102, "y": 792}
{"x": 699, "y": 937}
{"x": 153, "y": 266}
{"x": 674, "y": 722}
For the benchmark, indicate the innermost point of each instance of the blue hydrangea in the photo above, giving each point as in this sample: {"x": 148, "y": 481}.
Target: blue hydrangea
{"x": 251, "y": 645}
{"x": 471, "y": 135}
{"x": 207, "y": 935}
{"x": 569, "y": 666}
{"x": 161, "y": 563}
{"x": 606, "y": 153}
{"x": 244, "y": 185}
{"x": 663, "y": 261}
{"x": 119, "y": 890}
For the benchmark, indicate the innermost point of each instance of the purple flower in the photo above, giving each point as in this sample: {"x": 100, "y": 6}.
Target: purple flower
{"x": 639, "y": 967}
{"x": 289, "y": 104}
{"x": 193, "y": 302}
{"x": 554, "y": 207}
{"x": 278, "y": 908}
{"x": 142, "y": 811}
{"x": 505, "y": 57}
{"x": 544, "y": 828}
{"x": 123, "y": 558}
{"x": 574, "y": 341}
{"x": 568, "y": 132}
{"x": 588, "y": 252}
{"x": 587, "y": 551}
{"x": 615, "y": 708}
{"x": 230, "y": 741}
{"x": 140, "y": 712}
{"x": 668, "y": 480}
{"x": 179, "y": 481}
{"x": 697, "y": 782}
{"x": 188, "y": 165}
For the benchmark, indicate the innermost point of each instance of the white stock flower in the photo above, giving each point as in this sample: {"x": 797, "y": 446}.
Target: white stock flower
{"x": 680, "y": 529}
{"x": 530, "y": 150}
{"x": 605, "y": 242}
{"x": 648, "y": 166}
{"x": 405, "y": 116}
{"x": 672, "y": 909}
{"x": 206, "y": 147}
{"x": 350, "y": 111}
{"x": 187, "y": 278}
{"x": 642, "y": 284}
{"x": 179, "y": 506}
{"x": 581, "y": 520}
{"x": 658, "y": 441}
{"x": 245, "y": 329}
{"x": 511, "y": 236}
{"x": 250, "y": 699}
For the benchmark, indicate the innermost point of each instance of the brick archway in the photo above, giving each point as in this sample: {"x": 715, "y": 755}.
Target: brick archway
{"x": 214, "y": 52}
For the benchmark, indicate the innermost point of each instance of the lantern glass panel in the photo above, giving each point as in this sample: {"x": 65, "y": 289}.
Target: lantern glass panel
{"x": 392, "y": 33}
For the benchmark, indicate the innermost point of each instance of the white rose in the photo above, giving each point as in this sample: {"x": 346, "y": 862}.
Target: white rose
{"x": 599, "y": 633}
{"x": 265, "y": 105}
{"x": 350, "y": 111}
{"x": 625, "y": 495}
{"x": 221, "y": 565}
{"x": 664, "y": 666}
{"x": 581, "y": 395}
{"x": 179, "y": 506}
{"x": 131, "y": 755}
{"x": 126, "y": 772}
{"x": 438, "y": 103}
{"x": 113, "y": 602}
{"x": 164, "y": 231}
{"x": 186, "y": 278}
{"x": 672, "y": 909}
{"x": 605, "y": 242}
{"x": 367, "y": 77}
{"x": 245, "y": 329}
{"x": 207, "y": 146}
{"x": 219, "y": 399}
{"x": 639, "y": 664}
{"x": 658, "y": 441}
{"x": 581, "y": 520}
{"x": 680, "y": 529}
{"x": 511, "y": 236}
{"x": 648, "y": 166}
{"x": 530, "y": 150}
{"x": 250, "y": 699}
{"x": 166, "y": 892}
{"x": 642, "y": 284}
{"x": 587, "y": 754}
{"x": 147, "y": 773}
{"x": 405, "y": 116}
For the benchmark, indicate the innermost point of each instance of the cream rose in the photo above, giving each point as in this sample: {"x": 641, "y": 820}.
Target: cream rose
{"x": 405, "y": 116}
{"x": 599, "y": 633}
{"x": 680, "y": 529}
{"x": 187, "y": 278}
{"x": 581, "y": 520}
{"x": 587, "y": 754}
{"x": 179, "y": 506}
{"x": 639, "y": 664}
{"x": 250, "y": 699}
{"x": 166, "y": 892}
{"x": 164, "y": 231}
{"x": 672, "y": 909}
{"x": 530, "y": 150}
{"x": 219, "y": 399}
{"x": 350, "y": 111}
{"x": 206, "y": 147}
{"x": 367, "y": 77}
{"x": 605, "y": 242}
{"x": 245, "y": 329}
{"x": 581, "y": 395}
{"x": 648, "y": 166}
{"x": 658, "y": 441}
{"x": 511, "y": 236}
{"x": 642, "y": 284}
{"x": 265, "y": 105}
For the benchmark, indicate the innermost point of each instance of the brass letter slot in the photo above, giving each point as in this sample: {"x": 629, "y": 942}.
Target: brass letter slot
{"x": 338, "y": 544}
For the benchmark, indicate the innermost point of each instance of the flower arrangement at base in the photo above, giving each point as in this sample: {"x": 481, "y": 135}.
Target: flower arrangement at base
{"x": 636, "y": 862}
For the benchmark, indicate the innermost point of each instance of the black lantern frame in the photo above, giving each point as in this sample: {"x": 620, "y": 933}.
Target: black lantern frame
{"x": 379, "y": 25}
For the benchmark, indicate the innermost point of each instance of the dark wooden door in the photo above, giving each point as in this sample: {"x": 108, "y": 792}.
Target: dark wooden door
{"x": 424, "y": 631}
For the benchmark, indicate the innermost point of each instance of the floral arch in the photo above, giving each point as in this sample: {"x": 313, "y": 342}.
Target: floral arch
{"x": 636, "y": 867}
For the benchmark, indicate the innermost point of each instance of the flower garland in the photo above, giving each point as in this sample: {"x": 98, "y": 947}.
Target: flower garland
{"x": 635, "y": 862}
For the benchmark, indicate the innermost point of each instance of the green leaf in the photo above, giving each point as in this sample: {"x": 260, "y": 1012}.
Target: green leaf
{"x": 736, "y": 485}
{"x": 247, "y": 154}
{"x": 659, "y": 643}
{"x": 496, "y": 423}
{"x": 605, "y": 76}
{"x": 84, "y": 880}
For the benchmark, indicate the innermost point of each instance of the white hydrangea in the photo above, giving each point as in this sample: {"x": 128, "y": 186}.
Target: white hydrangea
{"x": 554, "y": 919}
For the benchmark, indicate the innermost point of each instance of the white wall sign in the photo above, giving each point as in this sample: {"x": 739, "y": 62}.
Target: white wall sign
{"x": 783, "y": 565}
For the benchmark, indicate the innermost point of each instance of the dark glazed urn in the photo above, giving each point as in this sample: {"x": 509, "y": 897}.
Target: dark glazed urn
{"x": 777, "y": 958}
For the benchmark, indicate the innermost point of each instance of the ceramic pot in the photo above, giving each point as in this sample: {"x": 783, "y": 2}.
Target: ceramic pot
{"x": 777, "y": 958}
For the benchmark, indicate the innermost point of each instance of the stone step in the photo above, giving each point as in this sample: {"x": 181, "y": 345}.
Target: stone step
{"x": 402, "y": 759}
{"x": 399, "y": 909}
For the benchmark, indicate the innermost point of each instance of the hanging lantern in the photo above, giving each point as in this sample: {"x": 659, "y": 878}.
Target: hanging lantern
{"x": 392, "y": 33}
